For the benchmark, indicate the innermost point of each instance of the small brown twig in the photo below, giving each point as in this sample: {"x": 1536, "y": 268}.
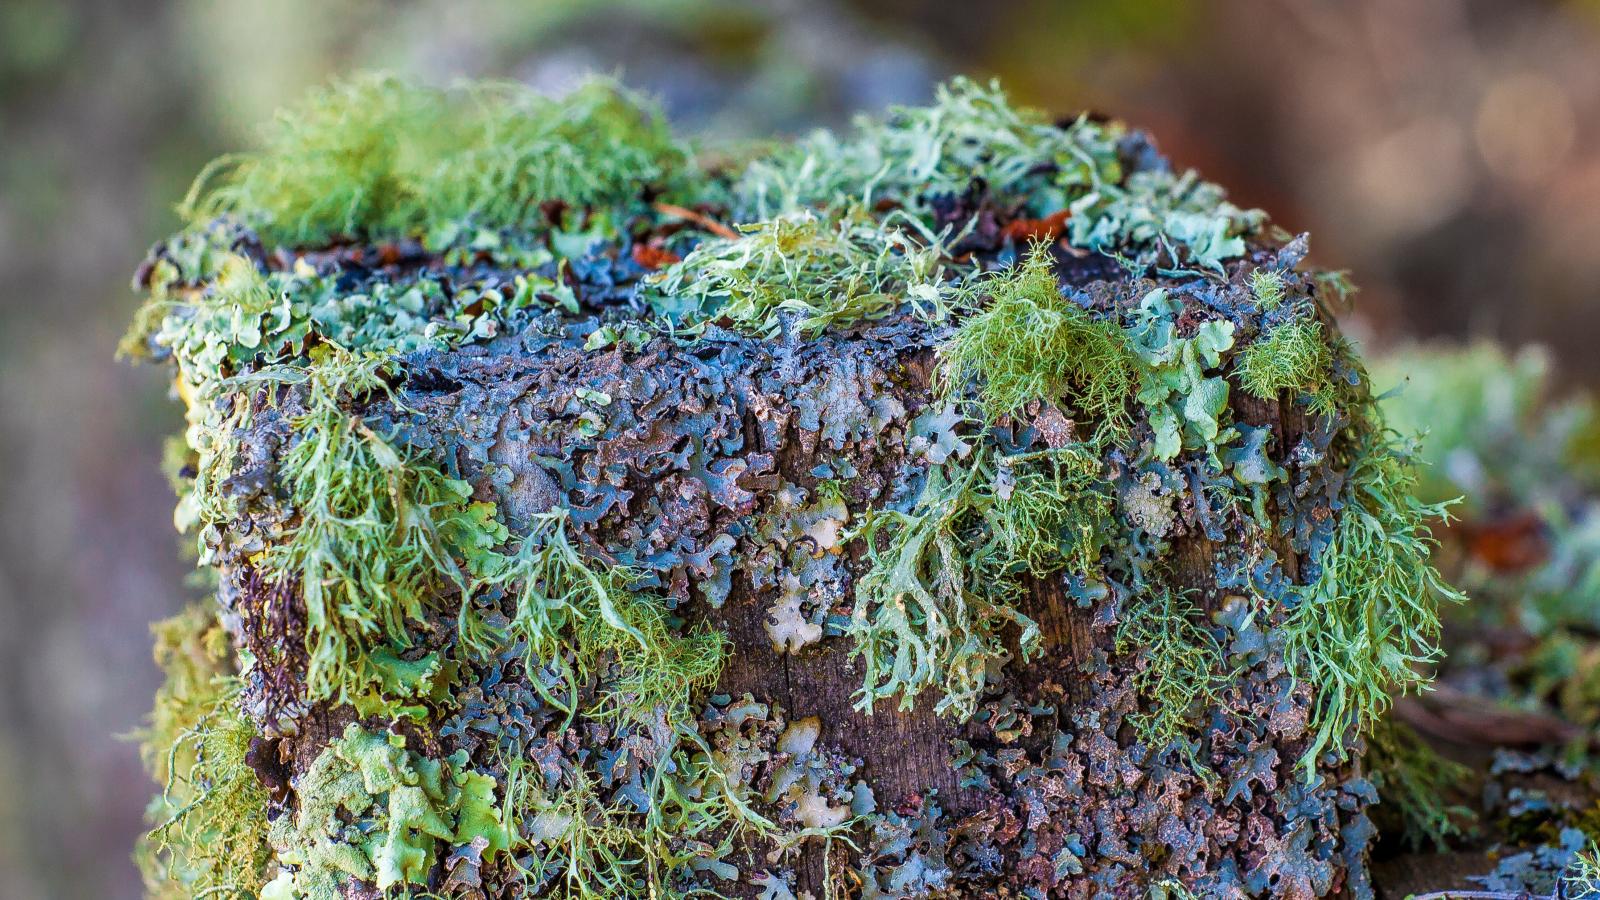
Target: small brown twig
{"x": 698, "y": 218}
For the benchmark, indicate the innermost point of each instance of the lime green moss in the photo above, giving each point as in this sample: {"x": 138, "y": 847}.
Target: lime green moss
{"x": 1268, "y": 287}
{"x": 193, "y": 653}
{"x": 371, "y": 809}
{"x": 210, "y": 819}
{"x": 1368, "y": 625}
{"x": 1296, "y": 357}
{"x": 1030, "y": 344}
{"x": 1051, "y": 511}
{"x": 376, "y": 157}
{"x": 1179, "y": 666}
{"x": 213, "y": 839}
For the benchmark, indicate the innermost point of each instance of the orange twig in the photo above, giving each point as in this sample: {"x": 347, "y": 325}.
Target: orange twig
{"x": 699, "y": 218}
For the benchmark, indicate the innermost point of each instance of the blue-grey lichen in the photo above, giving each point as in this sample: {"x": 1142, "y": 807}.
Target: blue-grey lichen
{"x": 877, "y": 515}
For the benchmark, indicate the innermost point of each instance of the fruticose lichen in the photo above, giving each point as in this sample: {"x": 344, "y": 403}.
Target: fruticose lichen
{"x": 875, "y": 515}
{"x": 1527, "y": 547}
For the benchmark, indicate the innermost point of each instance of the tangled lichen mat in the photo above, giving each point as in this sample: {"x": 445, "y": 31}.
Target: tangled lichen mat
{"x": 964, "y": 505}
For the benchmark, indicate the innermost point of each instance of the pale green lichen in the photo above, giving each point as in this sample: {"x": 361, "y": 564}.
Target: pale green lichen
{"x": 1368, "y": 623}
{"x": 695, "y": 812}
{"x": 970, "y": 133}
{"x": 823, "y": 272}
{"x": 1051, "y": 511}
{"x": 927, "y": 160}
{"x": 944, "y": 579}
{"x": 1157, "y": 219}
{"x": 589, "y": 620}
{"x": 373, "y": 810}
{"x": 373, "y": 549}
{"x": 1185, "y": 404}
{"x": 927, "y": 613}
{"x": 1581, "y": 879}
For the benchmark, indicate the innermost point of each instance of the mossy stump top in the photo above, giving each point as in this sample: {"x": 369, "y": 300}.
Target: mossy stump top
{"x": 968, "y": 505}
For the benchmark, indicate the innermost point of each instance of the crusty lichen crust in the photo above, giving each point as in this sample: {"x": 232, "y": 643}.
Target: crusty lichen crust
{"x": 495, "y": 401}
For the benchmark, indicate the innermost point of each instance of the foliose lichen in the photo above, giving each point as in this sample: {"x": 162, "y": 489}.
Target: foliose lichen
{"x": 528, "y": 451}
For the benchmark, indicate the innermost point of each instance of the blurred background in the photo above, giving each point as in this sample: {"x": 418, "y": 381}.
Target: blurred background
{"x": 1447, "y": 152}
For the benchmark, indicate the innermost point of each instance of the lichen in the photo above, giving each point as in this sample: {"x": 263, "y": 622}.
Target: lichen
{"x": 210, "y": 819}
{"x": 590, "y": 621}
{"x": 373, "y": 548}
{"x": 929, "y": 611}
{"x": 818, "y": 272}
{"x": 373, "y": 810}
{"x": 376, "y": 157}
{"x": 1028, "y": 343}
{"x": 1185, "y": 404}
{"x": 1368, "y": 621}
{"x": 1292, "y": 356}
{"x": 514, "y": 436}
{"x": 918, "y": 155}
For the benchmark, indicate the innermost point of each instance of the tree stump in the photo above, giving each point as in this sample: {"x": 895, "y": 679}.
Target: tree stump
{"x": 994, "y": 513}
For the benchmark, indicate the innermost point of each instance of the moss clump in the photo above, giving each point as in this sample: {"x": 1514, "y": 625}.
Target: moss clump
{"x": 213, "y": 839}
{"x": 1294, "y": 356}
{"x": 821, "y": 272}
{"x": 210, "y": 820}
{"x": 1180, "y": 668}
{"x": 1268, "y": 287}
{"x": 192, "y": 652}
{"x": 1369, "y": 620}
{"x": 1031, "y": 344}
{"x": 376, "y": 157}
